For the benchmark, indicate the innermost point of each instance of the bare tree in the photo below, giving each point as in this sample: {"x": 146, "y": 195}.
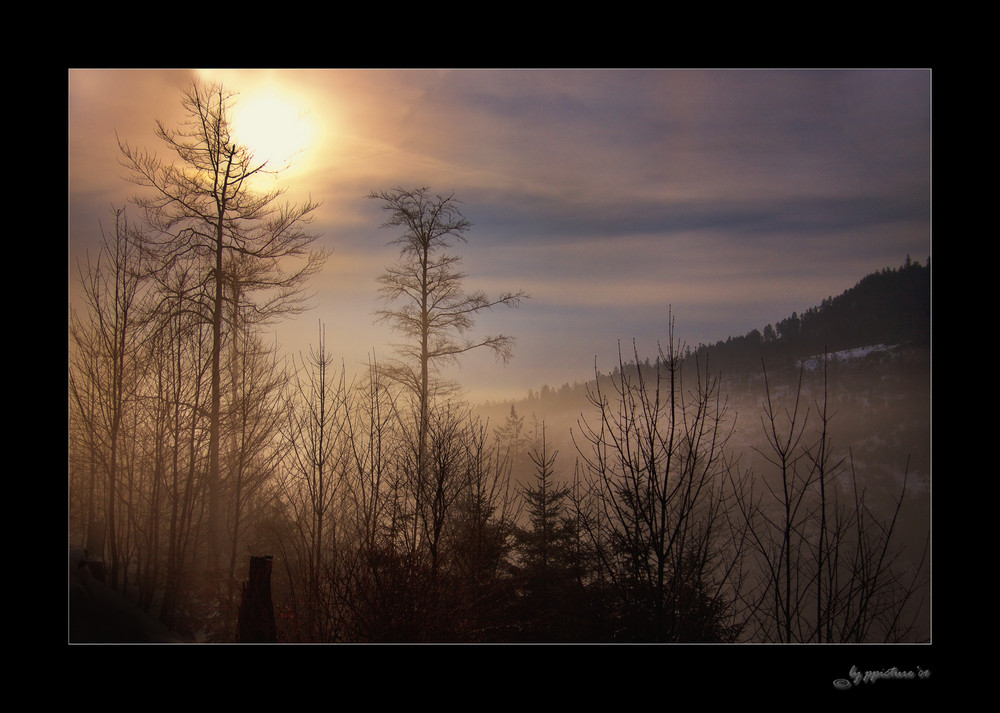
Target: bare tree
{"x": 446, "y": 480}
{"x": 179, "y": 355}
{"x": 381, "y": 579}
{"x": 374, "y": 487}
{"x": 318, "y": 456}
{"x": 207, "y": 219}
{"x": 254, "y": 449}
{"x": 831, "y": 568}
{"x": 427, "y": 305}
{"x": 105, "y": 378}
{"x": 657, "y": 510}
{"x": 424, "y": 291}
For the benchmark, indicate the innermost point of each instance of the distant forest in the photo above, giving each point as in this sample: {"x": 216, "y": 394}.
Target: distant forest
{"x": 220, "y": 491}
{"x": 891, "y": 307}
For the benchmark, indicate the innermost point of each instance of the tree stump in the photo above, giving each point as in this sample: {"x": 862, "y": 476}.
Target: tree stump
{"x": 256, "y": 616}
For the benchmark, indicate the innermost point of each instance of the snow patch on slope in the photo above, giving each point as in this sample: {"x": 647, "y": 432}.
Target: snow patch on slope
{"x": 815, "y": 362}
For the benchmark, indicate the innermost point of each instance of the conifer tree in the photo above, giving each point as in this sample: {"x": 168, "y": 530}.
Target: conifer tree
{"x": 545, "y": 548}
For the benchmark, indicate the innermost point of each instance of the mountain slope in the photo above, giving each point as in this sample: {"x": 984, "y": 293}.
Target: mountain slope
{"x": 891, "y": 307}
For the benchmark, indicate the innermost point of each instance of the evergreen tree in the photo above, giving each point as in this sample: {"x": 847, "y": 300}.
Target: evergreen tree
{"x": 545, "y": 507}
{"x": 552, "y": 599}
{"x": 514, "y": 442}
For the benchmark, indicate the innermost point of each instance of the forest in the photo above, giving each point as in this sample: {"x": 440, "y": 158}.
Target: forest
{"x": 772, "y": 488}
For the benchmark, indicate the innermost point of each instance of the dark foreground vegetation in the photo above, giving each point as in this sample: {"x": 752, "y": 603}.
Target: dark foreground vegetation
{"x": 223, "y": 494}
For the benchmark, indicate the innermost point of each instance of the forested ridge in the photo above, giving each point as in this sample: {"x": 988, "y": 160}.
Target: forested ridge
{"x": 707, "y": 495}
{"x": 890, "y": 308}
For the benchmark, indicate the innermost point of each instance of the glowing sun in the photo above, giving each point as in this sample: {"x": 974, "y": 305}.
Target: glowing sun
{"x": 273, "y": 126}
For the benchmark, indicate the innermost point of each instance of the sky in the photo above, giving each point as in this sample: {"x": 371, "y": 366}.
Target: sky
{"x": 614, "y": 198}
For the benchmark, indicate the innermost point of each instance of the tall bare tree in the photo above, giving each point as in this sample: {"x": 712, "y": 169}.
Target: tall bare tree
{"x": 427, "y": 304}
{"x": 206, "y": 217}
{"x": 426, "y": 300}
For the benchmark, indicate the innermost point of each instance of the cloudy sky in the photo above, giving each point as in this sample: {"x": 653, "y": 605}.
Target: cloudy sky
{"x": 731, "y": 198}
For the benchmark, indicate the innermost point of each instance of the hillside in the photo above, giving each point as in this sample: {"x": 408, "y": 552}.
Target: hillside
{"x": 890, "y": 307}
{"x": 885, "y": 311}
{"x": 877, "y": 336}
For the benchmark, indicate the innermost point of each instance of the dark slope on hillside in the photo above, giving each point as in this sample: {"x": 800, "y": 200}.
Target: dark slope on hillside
{"x": 891, "y": 307}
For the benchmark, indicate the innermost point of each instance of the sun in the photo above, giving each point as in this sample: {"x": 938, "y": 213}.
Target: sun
{"x": 274, "y": 126}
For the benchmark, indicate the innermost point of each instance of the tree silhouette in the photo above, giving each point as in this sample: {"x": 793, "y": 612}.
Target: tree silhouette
{"x": 657, "y": 508}
{"x": 105, "y": 379}
{"x": 314, "y": 478}
{"x": 427, "y": 304}
{"x": 552, "y": 605}
{"x": 830, "y": 567}
{"x": 208, "y": 221}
